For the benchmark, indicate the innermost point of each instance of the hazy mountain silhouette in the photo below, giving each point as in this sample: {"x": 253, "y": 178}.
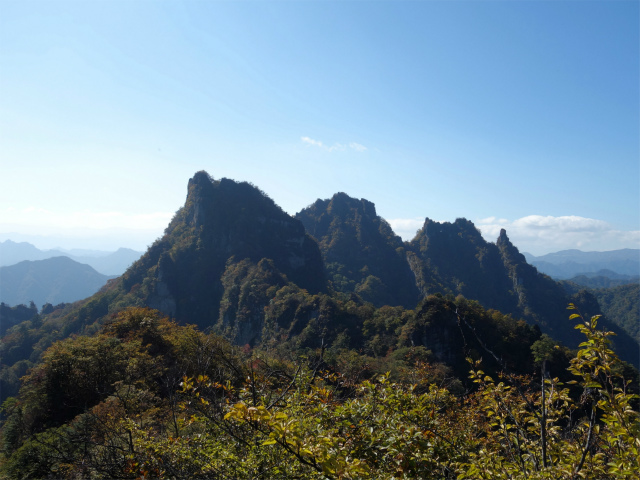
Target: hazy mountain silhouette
{"x": 53, "y": 280}
{"x": 107, "y": 263}
{"x": 570, "y": 263}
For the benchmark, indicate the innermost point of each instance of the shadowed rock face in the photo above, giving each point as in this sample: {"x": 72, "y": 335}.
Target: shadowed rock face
{"x": 362, "y": 255}
{"x": 237, "y": 219}
{"x": 222, "y": 223}
{"x": 454, "y": 258}
{"x": 361, "y": 252}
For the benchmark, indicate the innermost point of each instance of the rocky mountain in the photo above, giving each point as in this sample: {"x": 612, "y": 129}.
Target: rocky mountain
{"x": 54, "y": 280}
{"x": 360, "y": 251}
{"x": 226, "y": 236}
{"x": 454, "y": 258}
{"x": 106, "y": 263}
{"x": 231, "y": 260}
{"x": 570, "y": 263}
{"x": 363, "y": 256}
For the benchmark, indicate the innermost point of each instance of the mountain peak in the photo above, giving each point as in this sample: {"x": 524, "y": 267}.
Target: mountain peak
{"x": 502, "y": 238}
{"x": 509, "y": 251}
{"x": 222, "y": 224}
{"x": 362, "y": 254}
{"x": 341, "y": 204}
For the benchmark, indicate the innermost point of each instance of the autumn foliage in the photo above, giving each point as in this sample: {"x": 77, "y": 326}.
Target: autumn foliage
{"x": 146, "y": 398}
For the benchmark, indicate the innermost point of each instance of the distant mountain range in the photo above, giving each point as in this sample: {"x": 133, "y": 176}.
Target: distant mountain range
{"x": 571, "y": 263}
{"x": 53, "y": 280}
{"x": 106, "y": 263}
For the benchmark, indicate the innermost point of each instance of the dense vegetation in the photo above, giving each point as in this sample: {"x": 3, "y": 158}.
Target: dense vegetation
{"x": 601, "y": 281}
{"x": 10, "y": 316}
{"x": 146, "y": 398}
{"x": 620, "y": 304}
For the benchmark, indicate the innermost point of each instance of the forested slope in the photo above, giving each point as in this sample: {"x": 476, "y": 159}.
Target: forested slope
{"x": 147, "y": 398}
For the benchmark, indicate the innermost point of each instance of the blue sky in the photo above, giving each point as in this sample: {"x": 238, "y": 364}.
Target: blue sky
{"x": 514, "y": 114}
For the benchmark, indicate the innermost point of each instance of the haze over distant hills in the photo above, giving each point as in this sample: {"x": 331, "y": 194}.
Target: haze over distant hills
{"x": 570, "y": 263}
{"x": 104, "y": 262}
{"x": 53, "y": 280}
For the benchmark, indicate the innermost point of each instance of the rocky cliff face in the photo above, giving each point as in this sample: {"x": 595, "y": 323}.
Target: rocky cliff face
{"x": 454, "y": 258}
{"x": 223, "y": 223}
{"x": 361, "y": 252}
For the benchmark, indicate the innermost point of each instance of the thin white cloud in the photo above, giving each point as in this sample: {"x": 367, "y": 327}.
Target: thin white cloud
{"x": 406, "y": 228}
{"x": 313, "y": 142}
{"x": 335, "y": 147}
{"x": 540, "y": 234}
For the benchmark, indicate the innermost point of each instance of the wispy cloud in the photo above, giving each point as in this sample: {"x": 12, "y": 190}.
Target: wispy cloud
{"x": 406, "y": 228}
{"x": 540, "y": 234}
{"x": 311, "y": 141}
{"x": 340, "y": 147}
{"x": 357, "y": 147}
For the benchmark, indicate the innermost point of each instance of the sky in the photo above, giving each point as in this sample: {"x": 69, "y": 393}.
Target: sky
{"x": 521, "y": 115}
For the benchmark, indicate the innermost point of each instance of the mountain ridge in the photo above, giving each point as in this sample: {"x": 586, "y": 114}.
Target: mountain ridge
{"x": 233, "y": 261}
{"x": 565, "y": 264}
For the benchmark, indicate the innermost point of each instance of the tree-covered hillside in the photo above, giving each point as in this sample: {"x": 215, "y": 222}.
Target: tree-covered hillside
{"x": 147, "y": 398}
{"x": 619, "y": 304}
